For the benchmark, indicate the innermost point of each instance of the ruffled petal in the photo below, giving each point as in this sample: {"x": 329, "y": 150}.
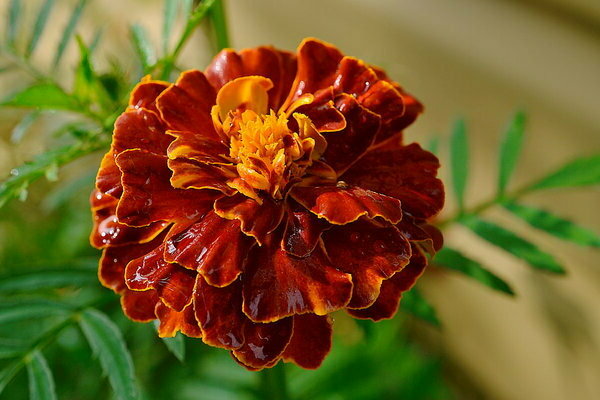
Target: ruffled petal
{"x": 140, "y": 129}
{"x": 346, "y": 146}
{"x": 214, "y": 246}
{"x": 277, "y": 285}
{"x": 371, "y": 254}
{"x": 198, "y": 148}
{"x": 311, "y": 341}
{"x": 384, "y": 99}
{"x": 172, "y": 321}
{"x": 343, "y": 204}
{"x": 257, "y": 220}
{"x": 303, "y": 231}
{"x": 145, "y": 93}
{"x": 321, "y": 110}
{"x": 148, "y": 195}
{"x": 224, "y": 67}
{"x": 245, "y": 93}
{"x": 108, "y": 179}
{"x": 190, "y": 174}
{"x": 219, "y": 313}
{"x": 407, "y": 173}
{"x": 264, "y": 343}
{"x": 139, "y": 306}
{"x": 386, "y": 304}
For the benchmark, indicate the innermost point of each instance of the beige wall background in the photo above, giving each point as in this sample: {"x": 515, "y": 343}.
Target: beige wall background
{"x": 481, "y": 59}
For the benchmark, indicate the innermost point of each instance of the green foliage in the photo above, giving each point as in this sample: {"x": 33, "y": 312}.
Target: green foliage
{"x": 459, "y": 160}
{"x": 23, "y": 126}
{"x": 40, "y": 24}
{"x": 48, "y": 279}
{"x": 12, "y": 25}
{"x": 11, "y": 312}
{"x": 41, "y": 382}
{"x": 510, "y": 149}
{"x": 414, "y": 303}
{"x": 143, "y": 48}
{"x": 580, "y": 172}
{"x": 46, "y": 96}
{"x": 68, "y": 31}
{"x": 176, "y": 344}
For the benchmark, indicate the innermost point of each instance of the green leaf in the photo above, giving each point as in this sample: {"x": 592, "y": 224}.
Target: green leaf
{"x": 186, "y": 8}
{"x": 40, "y": 24}
{"x": 11, "y": 350}
{"x": 554, "y": 225}
{"x": 23, "y": 126}
{"x": 510, "y": 150}
{"x": 43, "y": 96}
{"x": 47, "y": 279}
{"x": 414, "y": 303}
{"x": 459, "y": 160}
{"x": 453, "y": 259}
{"x": 176, "y": 344}
{"x": 68, "y": 31}
{"x": 142, "y": 45}
{"x": 41, "y": 383}
{"x": 108, "y": 345}
{"x": 219, "y": 22}
{"x": 581, "y": 172}
{"x": 513, "y": 244}
{"x": 8, "y": 373}
{"x": 26, "y": 309}
{"x": 96, "y": 40}
{"x": 12, "y": 23}
{"x": 170, "y": 12}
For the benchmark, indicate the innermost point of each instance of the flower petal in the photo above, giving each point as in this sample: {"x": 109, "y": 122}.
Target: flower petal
{"x": 108, "y": 179}
{"x": 391, "y": 290}
{"x": 245, "y": 93}
{"x": 140, "y": 129}
{"x": 214, "y": 246}
{"x": 311, "y": 340}
{"x": 189, "y": 174}
{"x": 148, "y": 195}
{"x": 198, "y": 148}
{"x": 224, "y": 67}
{"x": 407, "y": 173}
{"x": 144, "y": 94}
{"x": 303, "y": 231}
{"x": 257, "y": 220}
{"x": 219, "y": 313}
{"x": 346, "y": 146}
{"x": 172, "y": 321}
{"x": 139, "y": 306}
{"x": 264, "y": 343}
{"x": 384, "y": 99}
{"x": 277, "y": 285}
{"x": 343, "y": 204}
{"x": 354, "y": 77}
{"x": 371, "y": 254}
{"x": 321, "y": 110}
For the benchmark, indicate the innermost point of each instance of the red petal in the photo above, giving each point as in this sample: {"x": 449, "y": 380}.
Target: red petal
{"x": 354, "y": 77}
{"x": 407, "y": 173}
{"x": 391, "y": 290}
{"x": 145, "y": 93}
{"x": 317, "y": 64}
{"x": 225, "y": 67}
{"x": 218, "y": 310}
{"x": 311, "y": 341}
{"x": 303, "y": 231}
{"x": 371, "y": 254}
{"x": 257, "y": 220}
{"x": 322, "y": 112}
{"x": 108, "y": 179}
{"x": 277, "y": 285}
{"x": 346, "y": 146}
{"x": 189, "y": 174}
{"x": 172, "y": 321}
{"x": 198, "y": 148}
{"x": 264, "y": 343}
{"x": 148, "y": 195}
{"x": 139, "y": 306}
{"x": 214, "y": 246}
{"x": 140, "y": 129}
{"x": 344, "y": 204}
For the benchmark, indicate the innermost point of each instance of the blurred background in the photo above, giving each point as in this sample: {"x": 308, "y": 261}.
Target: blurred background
{"x": 477, "y": 59}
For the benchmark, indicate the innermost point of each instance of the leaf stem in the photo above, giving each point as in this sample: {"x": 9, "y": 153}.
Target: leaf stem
{"x": 219, "y": 21}
{"x": 273, "y": 384}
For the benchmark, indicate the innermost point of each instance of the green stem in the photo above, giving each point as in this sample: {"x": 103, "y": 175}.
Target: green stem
{"x": 219, "y": 21}
{"x": 273, "y": 385}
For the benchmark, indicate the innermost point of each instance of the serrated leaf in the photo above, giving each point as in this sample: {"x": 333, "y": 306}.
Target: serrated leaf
{"x": 23, "y": 126}
{"x": 12, "y": 22}
{"x": 581, "y": 172}
{"x": 41, "y": 382}
{"x": 170, "y": 12}
{"x": 453, "y": 259}
{"x": 68, "y": 31}
{"x": 40, "y": 24}
{"x": 510, "y": 150}
{"x": 142, "y": 46}
{"x": 48, "y": 279}
{"x": 414, "y": 303}
{"x": 46, "y": 96}
{"x": 459, "y": 160}
{"x": 108, "y": 345}
{"x": 554, "y": 225}
{"x": 26, "y": 309}
{"x": 513, "y": 244}
{"x": 176, "y": 344}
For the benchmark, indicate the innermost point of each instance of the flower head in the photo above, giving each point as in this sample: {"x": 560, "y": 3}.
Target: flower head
{"x": 244, "y": 204}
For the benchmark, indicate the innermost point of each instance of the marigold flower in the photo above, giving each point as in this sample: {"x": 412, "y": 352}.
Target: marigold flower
{"x": 245, "y": 203}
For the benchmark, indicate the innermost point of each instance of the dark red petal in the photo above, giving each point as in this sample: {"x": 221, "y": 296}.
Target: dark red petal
{"x": 277, "y": 285}
{"x": 108, "y": 180}
{"x": 391, "y": 290}
{"x": 303, "y": 231}
{"x": 172, "y": 321}
{"x": 140, "y": 129}
{"x": 322, "y": 112}
{"x": 173, "y": 283}
{"x": 354, "y": 77}
{"x": 311, "y": 340}
{"x": 264, "y": 343}
{"x": 384, "y": 99}
{"x": 219, "y": 313}
{"x": 317, "y": 64}
{"x": 346, "y": 146}
{"x": 225, "y": 67}
{"x": 407, "y": 173}
{"x": 139, "y": 306}
{"x": 371, "y": 254}
{"x": 257, "y": 220}
{"x": 189, "y": 174}
{"x": 343, "y": 204}
{"x": 214, "y": 246}
{"x": 148, "y": 195}
{"x": 198, "y": 148}
{"x": 145, "y": 93}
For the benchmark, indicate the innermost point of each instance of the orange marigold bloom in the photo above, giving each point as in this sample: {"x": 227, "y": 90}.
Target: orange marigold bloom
{"x": 245, "y": 203}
